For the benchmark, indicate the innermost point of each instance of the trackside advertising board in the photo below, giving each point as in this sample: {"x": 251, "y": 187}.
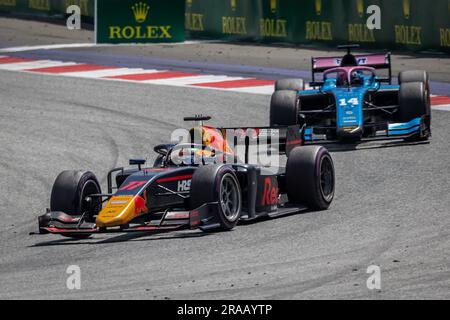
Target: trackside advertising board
{"x": 140, "y": 21}
{"x": 46, "y": 8}
{"x": 414, "y": 25}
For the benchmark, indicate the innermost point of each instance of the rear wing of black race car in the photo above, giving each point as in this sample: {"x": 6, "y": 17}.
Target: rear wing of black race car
{"x": 377, "y": 61}
{"x": 283, "y": 138}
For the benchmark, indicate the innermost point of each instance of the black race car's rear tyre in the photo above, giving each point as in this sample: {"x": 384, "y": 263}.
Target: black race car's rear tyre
{"x": 70, "y": 191}
{"x": 290, "y": 84}
{"x": 284, "y": 108}
{"x": 413, "y": 76}
{"x": 310, "y": 177}
{"x": 218, "y": 183}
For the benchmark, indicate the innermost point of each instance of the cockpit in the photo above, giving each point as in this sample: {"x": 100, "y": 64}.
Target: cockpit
{"x": 203, "y": 145}
{"x": 349, "y": 77}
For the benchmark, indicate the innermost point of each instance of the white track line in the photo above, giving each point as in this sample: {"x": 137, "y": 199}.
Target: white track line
{"x": 190, "y": 80}
{"x": 90, "y": 45}
{"x": 441, "y": 108}
{"x": 20, "y": 66}
{"x": 48, "y": 47}
{"x": 267, "y": 90}
{"x": 108, "y": 73}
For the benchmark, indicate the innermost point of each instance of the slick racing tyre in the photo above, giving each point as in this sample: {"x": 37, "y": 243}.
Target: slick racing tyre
{"x": 290, "y": 84}
{"x": 218, "y": 183}
{"x": 69, "y": 194}
{"x": 413, "y": 76}
{"x": 284, "y": 108}
{"x": 414, "y": 102}
{"x": 70, "y": 190}
{"x": 310, "y": 177}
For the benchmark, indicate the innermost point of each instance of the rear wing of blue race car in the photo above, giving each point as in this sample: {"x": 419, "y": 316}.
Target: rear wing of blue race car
{"x": 376, "y": 61}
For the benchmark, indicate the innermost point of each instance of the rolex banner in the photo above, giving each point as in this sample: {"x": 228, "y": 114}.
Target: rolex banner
{"x": 139, "y": 21}
{"x": 414, "y": 25}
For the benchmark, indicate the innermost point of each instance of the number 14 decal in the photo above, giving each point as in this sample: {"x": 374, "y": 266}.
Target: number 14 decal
{"x": 345, "y": 102}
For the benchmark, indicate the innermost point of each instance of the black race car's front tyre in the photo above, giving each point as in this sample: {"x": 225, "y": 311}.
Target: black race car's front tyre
{"x": 310, "y": 178}
{"x": 284, "y": 108}
{"x": 218, "y": 184}
{"x": 69, "y": 193}
{"x": 70, "y": 190}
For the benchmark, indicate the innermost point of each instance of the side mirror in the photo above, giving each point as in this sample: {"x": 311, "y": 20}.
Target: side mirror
{"x": 383, "y": 80}
{"x": 137, "y": 162}
{"x": 316, "y": 84}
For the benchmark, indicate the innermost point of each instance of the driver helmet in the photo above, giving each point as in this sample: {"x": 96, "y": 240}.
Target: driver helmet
{"x": 212, "y": 138}
{"x": 341, "y": 80}
{"x": 357, "y": 78}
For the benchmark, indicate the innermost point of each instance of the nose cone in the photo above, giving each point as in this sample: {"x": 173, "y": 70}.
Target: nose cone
{"x": 118, "y": 211}
{"x": 350, "y": 132}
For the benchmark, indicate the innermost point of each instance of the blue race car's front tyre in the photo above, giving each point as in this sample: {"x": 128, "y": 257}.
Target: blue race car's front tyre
{"x": 415, "y": 102}
{"x": 284, "y": 108}
{"x": 413, "y": 76}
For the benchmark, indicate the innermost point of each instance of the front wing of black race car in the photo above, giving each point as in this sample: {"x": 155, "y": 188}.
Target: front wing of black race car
{"x": 204, "y": 218}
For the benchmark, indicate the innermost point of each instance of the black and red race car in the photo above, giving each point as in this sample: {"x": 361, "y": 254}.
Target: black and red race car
{"x": 193, "y": 185}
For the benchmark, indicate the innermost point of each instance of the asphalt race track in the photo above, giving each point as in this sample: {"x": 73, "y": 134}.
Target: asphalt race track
{"x": 392, "y": 206}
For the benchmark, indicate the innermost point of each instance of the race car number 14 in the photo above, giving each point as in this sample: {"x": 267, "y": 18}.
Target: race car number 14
{"x": 351, "y": 102}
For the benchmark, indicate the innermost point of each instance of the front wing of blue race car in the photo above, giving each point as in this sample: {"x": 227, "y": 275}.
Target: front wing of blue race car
{"x": 414, "y": 129}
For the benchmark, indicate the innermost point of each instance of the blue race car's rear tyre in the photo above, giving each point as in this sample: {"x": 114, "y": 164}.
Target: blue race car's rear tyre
{"x": 284, "y": 108}
{"x": 218, "y": 183}
{"x": 310, "y": 178}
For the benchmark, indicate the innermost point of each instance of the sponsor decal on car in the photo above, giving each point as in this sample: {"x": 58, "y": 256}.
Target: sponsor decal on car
{"x": 270, "y": 193}
{"x": 184, "y": 185}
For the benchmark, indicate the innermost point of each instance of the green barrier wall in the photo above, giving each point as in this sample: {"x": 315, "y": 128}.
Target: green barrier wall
{"x": 406, "y": 24}
{"x": 140, "y": 21}
{"x": 47, "y": 8}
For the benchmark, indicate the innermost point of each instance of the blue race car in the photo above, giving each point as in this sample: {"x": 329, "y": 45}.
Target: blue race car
{"x": 352, "y": 103}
